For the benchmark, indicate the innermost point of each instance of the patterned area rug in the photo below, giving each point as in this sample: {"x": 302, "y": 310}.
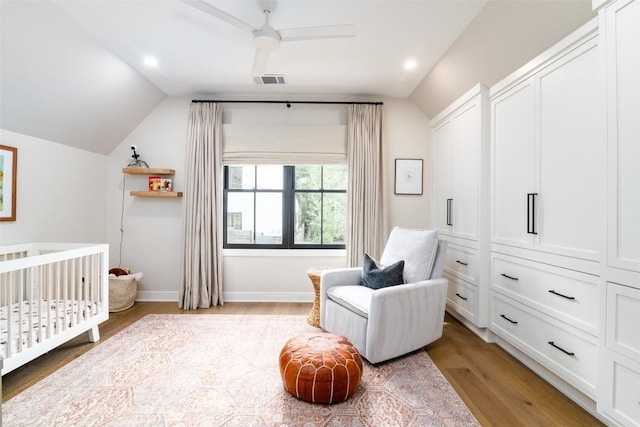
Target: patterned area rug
{"x": 222, "y": 370}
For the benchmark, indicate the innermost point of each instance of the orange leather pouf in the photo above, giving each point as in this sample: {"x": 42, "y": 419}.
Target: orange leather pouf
{"x": 320, "y": 368}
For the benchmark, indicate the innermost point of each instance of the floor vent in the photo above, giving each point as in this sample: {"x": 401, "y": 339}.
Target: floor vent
{"x": 270, "y": 79}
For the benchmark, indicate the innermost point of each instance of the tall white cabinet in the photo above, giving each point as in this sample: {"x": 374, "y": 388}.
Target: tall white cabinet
{"x": 619, "y": 374}
{"x": 547, "y": 207}
{"x": 459, "y": 142}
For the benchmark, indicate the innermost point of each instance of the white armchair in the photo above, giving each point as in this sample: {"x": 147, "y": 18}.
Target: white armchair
{"x": 391, "y": 321}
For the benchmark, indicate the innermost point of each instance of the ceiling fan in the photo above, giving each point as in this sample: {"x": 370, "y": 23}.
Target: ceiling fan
{"x": 265, "y": 38}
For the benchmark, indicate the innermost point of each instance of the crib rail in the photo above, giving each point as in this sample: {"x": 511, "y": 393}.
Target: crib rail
{"x": 48, "y": 294}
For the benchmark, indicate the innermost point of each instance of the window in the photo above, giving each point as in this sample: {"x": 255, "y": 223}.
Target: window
{"x": 285, "y": 207}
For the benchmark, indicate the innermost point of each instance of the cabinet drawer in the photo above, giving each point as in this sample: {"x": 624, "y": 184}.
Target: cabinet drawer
{"x": 621, "y": 383}
{"x": 623, "y": 318}
{"x": 462, "y": 297}
{"x": 462, "y": 262}
{"x": 566, "y": 294}
{"x": 565, "y": 350}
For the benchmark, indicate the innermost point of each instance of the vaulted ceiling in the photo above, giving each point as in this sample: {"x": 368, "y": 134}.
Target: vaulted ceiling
{"x": 73, "y": 71}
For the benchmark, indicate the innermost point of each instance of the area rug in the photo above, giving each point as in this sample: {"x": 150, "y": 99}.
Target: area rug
{"x": 222, "y": 370}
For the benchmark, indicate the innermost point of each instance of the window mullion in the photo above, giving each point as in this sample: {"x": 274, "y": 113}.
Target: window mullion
{"x": 288, "y": 207}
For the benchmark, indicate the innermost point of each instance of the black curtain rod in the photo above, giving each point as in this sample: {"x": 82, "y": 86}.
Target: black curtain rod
{"x": 287, "y": 102}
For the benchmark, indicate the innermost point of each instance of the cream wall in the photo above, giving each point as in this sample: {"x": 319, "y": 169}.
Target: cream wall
{"x": 153, "y": 227}
{"x": 60, "y": 193}
{"x": 504, "y": 36}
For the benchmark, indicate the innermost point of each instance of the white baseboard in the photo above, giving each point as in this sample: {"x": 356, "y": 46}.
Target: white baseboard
{"x": 268, "y": 296}
{"x": 172, "y": 296}
{"x": 484, "y": 333}
{"x": 157, "y": 296}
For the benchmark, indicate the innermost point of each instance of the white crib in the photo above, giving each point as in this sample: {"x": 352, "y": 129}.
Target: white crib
{"x": 49, "y": 294}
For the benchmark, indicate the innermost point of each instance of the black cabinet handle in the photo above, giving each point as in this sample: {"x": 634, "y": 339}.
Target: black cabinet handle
{"x": 449, "y": 212}
{"x": 461, "y": 297}
{"x": 509, "y": 277}
{"x": 508, "y": 320}
{"x": 551, "y": 291}
{"x": 531, "y": 213}
{"x": 461, "y": 263}
{"x": 570, "y": 353}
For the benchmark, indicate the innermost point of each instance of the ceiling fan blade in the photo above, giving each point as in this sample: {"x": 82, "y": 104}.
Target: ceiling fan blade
{"x": 260, "y": 62}
{"x": 324, "y": 32}
{"x": 218, "y": 13}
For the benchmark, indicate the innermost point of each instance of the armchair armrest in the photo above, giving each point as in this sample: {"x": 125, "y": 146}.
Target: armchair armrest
{"x": 394, "y": 313}
{"x": 334, "y": 277}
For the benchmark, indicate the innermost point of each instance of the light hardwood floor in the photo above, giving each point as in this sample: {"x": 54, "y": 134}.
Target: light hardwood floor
{"x": 498, "y": 389}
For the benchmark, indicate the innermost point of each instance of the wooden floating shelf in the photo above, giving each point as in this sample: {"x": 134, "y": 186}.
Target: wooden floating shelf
{"x": 148, "y": 171}
{"x": 157, "y": 193}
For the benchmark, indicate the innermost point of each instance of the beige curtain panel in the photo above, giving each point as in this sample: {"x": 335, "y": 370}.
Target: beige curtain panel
{"x": 364, "y": 188}
{"x": 201, "y": 285}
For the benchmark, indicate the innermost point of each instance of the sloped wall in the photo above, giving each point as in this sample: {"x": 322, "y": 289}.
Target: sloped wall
{"x": 60, "y": 193}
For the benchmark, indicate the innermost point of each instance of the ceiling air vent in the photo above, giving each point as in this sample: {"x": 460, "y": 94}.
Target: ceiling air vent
{"x": 270, "y": 79}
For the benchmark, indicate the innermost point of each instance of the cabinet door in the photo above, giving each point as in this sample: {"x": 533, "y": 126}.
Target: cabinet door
{"x": 570, "y": 154}
{"x": 512, "y": 135}
{"x": 442, "y": 149}
{"x": 622, "y": 44}
{"x": 465, "y": 179}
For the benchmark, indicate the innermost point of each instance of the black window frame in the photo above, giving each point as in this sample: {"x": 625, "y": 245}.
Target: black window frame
{"x": 288, "y": 192}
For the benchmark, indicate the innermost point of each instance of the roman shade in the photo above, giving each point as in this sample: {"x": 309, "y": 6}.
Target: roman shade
{"x": 284, "y": 144}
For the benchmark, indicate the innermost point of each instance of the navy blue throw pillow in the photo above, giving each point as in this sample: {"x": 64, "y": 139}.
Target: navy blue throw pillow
{"x": 377, "y": 278}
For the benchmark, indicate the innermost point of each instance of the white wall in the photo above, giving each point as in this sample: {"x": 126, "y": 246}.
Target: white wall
{"x": 151, "y": 241}
{"x": 405, "y": 136}
{"x": 503, "y": 36}
{"x": 153, "y": 227}
{"x": 60, "y": 193}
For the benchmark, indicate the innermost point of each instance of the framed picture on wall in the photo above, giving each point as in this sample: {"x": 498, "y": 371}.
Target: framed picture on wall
{"x": 408, "y": 176}
{"x": 8, "y": 174}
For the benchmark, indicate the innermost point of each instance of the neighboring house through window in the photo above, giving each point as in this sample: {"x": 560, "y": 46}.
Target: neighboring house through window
{"x": 285, "y": 206}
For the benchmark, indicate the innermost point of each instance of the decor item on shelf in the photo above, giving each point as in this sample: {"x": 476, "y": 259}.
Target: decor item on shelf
{"x": 155, "y": 182}
{"x": 8, "y": 174}
{"x": 136, "y": 162}
{"x": 408, "y": 176}
{"x": 166, "y": 185}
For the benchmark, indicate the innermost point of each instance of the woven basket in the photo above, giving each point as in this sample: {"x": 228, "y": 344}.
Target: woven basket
{"x": 122, "y": 293}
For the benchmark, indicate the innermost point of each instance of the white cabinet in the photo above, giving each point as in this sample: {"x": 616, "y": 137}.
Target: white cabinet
{"x": 619, "y": 394}
{"x": 566, "y": 351}
{"x": 459, "y": 147}
{"x": 548, "y": 187}
{"x": 620, "y": 356}
{"x": 620, "y": 21}
{"x": 547, "y": 150}
{"x": 457, "y": 138}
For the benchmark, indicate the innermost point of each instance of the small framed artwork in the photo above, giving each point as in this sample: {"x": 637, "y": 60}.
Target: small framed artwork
{"x": 8, "y": 175}
{"x": 408, "y": 176}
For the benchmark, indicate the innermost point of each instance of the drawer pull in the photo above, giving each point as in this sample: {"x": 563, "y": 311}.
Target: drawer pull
{"x": 509, "y": 277}
{"x": 462, "y": 263}
{"x": 570, "y": 353}
{"x": 461, "y": 297}
{"x": 508, "y": 320}
{"x": 561, "y": 295}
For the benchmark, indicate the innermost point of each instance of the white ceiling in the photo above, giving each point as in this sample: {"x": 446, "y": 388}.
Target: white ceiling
{"x": 72, "y": 71}
{"x": 200, "y": 54}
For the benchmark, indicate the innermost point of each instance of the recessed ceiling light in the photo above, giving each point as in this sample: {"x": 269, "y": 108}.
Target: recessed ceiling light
{"x": 410, "y": 64}
{"x": 150, "y": 61}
